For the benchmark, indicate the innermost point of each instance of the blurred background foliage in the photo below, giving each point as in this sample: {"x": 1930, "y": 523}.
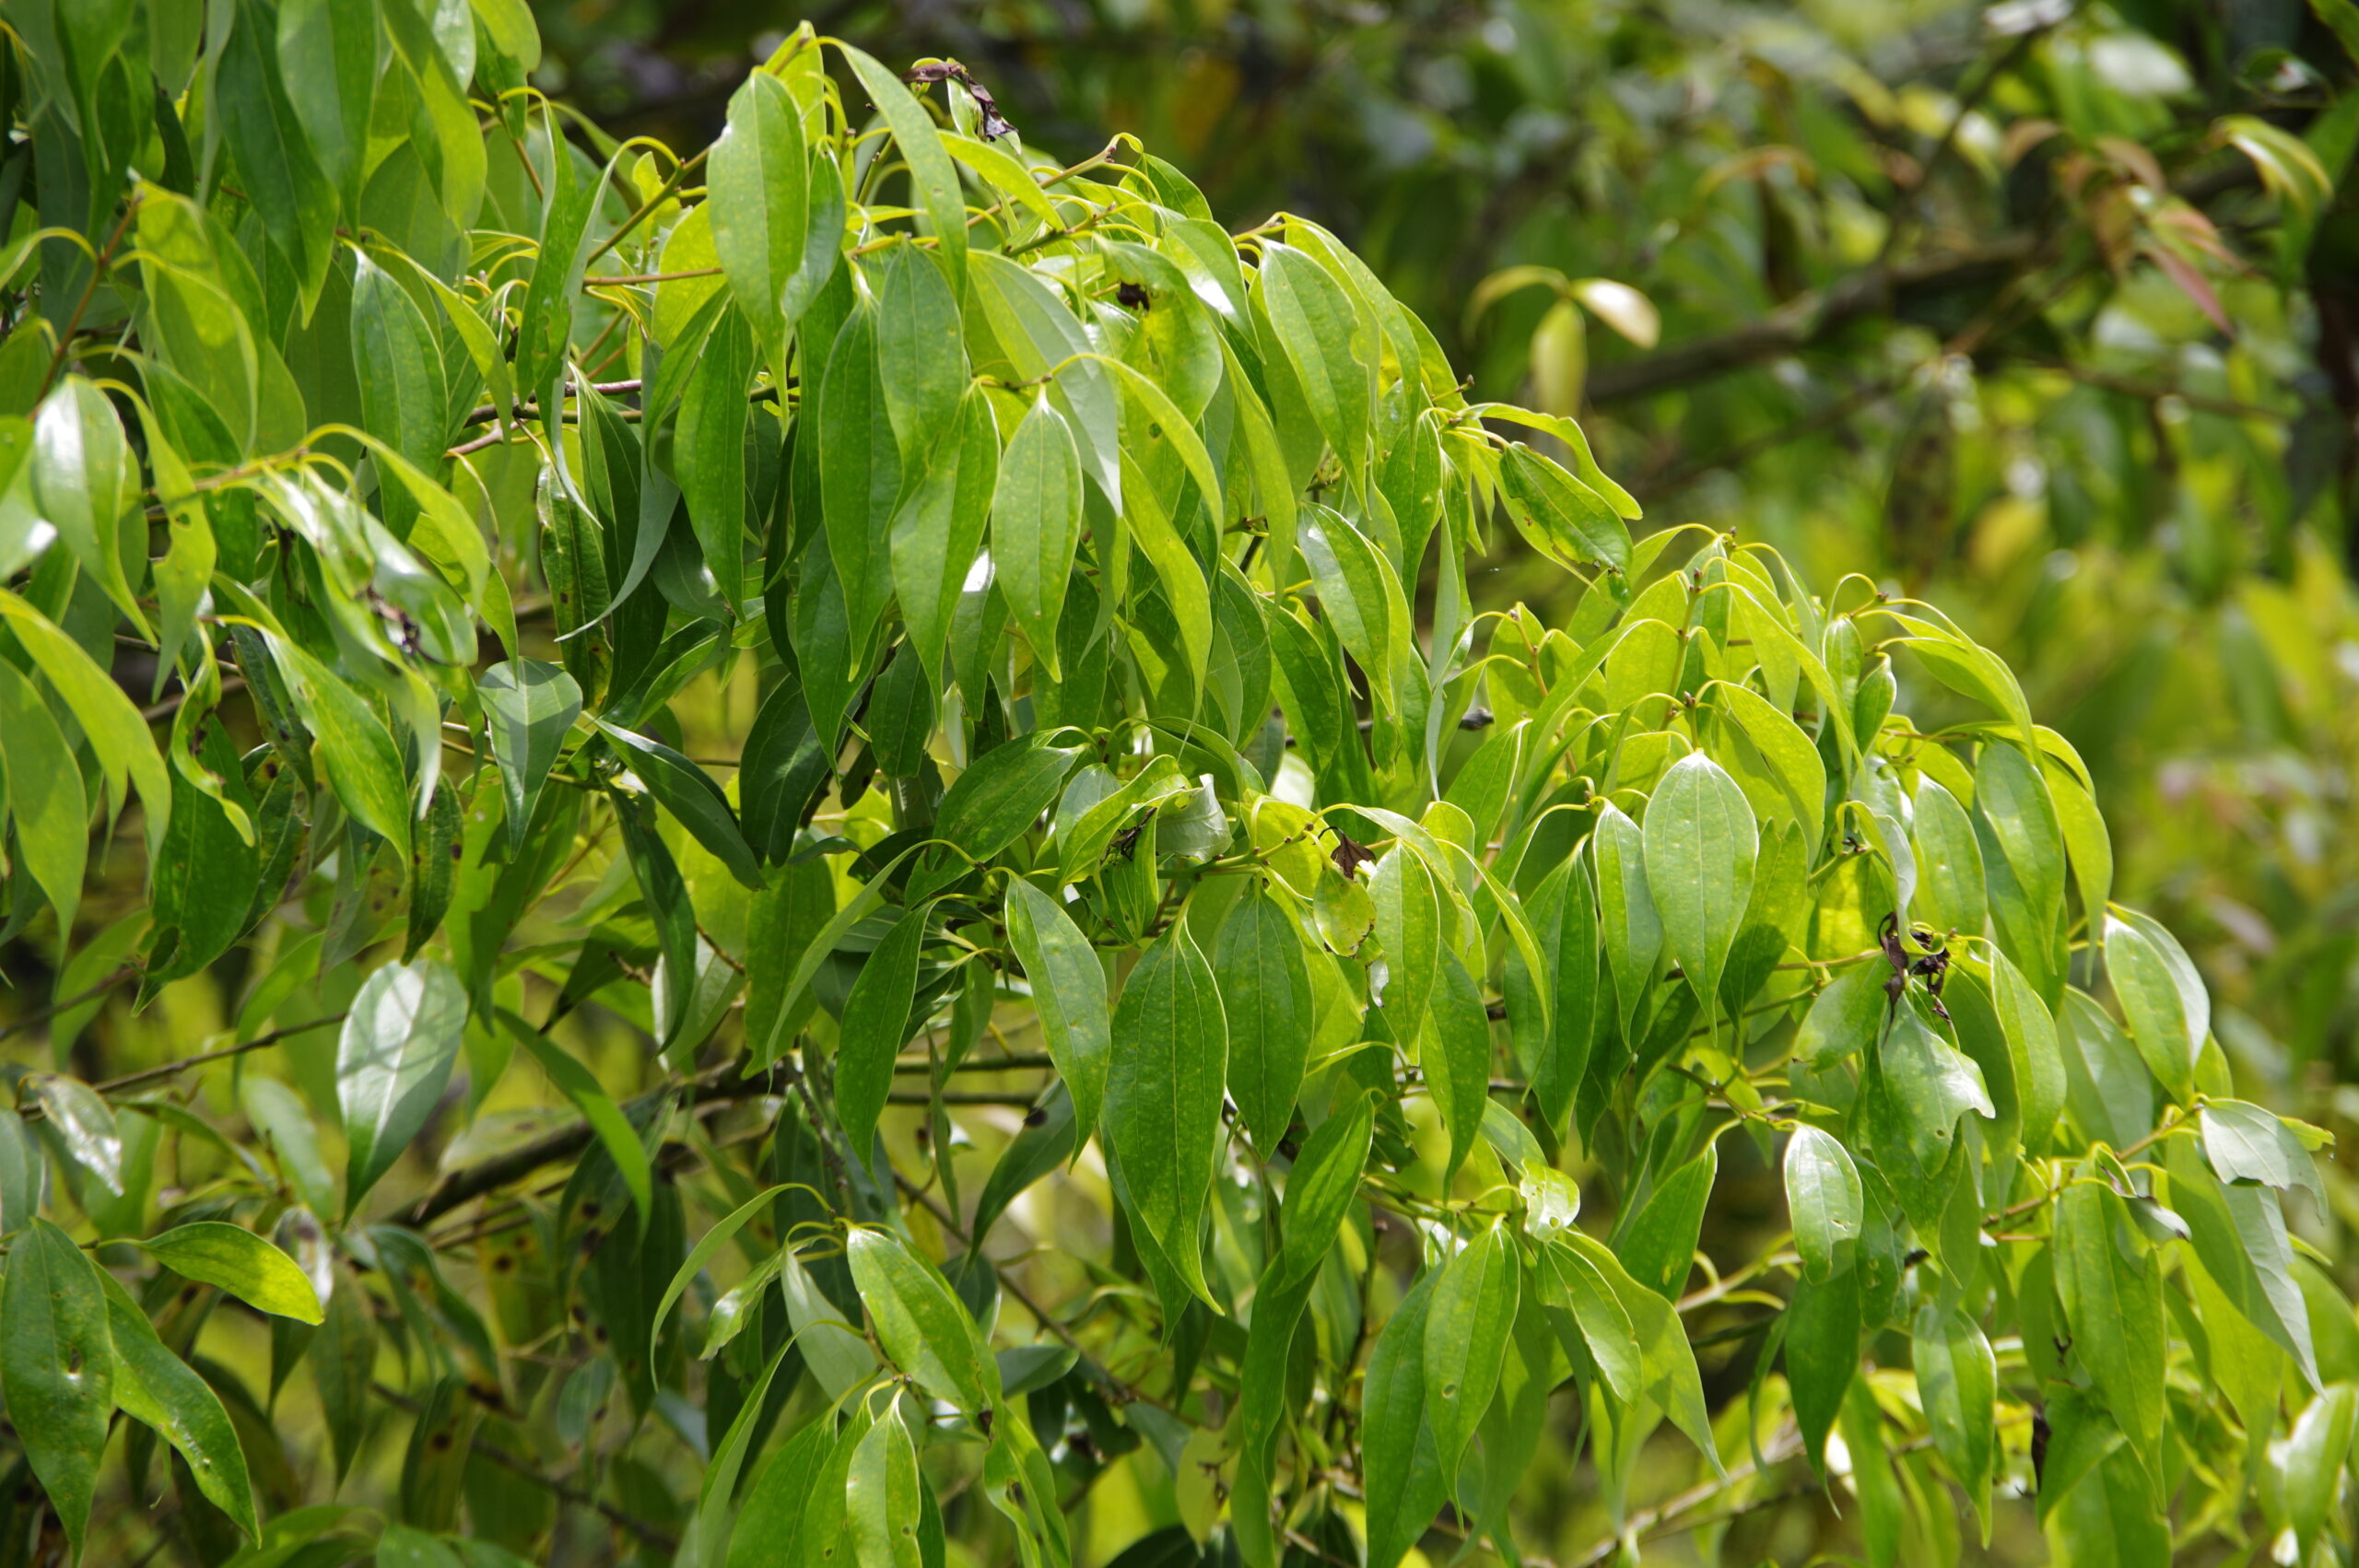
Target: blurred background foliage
{"x": 2045, "y": 310}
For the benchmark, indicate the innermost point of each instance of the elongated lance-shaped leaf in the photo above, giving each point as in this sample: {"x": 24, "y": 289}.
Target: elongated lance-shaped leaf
{"x": 393, "y": 1059}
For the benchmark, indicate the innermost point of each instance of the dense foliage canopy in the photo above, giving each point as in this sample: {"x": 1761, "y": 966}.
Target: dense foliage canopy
{"x": 1101, "y": 998}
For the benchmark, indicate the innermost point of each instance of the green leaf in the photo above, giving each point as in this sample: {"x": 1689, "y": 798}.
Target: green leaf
{"x": 2040, "y": 1081}
{"x": 117, "y": 734}
{"x": 760, "y": 193}
{"x": 1408, "y": 928}
{"x": 1069, "y": 992}
{"x": 921, "y": 355}
{"x": 1824, "y": 1195}
{"x": 403, "y": 400}
{"x": 702, "y": 1253}
{"x": 393, "y": 1059}
{"x": 1400, "y": 1460}
{"x": 84, "y": 1123}
{"x": 614, "y": 1130}
{"x": 528, "y": 707}
{"x": 262, "y": 133}
{"x": 240, "y": 1262}
{"x": 1563, "y": 517}
{"x": 2112, "y": 1290}
{"x": 1465, "y": 1341}
{"x": 1932, "y": 1083}
{"x": 787, "y": 1498}
{"x": 327, "y": 57}
{"x": 688, "y": 792}
{"x": 344, "y": 1360}
{"x": 882, "y": 1501}
{"x": 1003, "y": 794}
{"x": 1163, "y": 1097}
{"x": 709, "y": 450}
{"x": 57, "y": 1368}
{"x": 1325, "y": 1179}
{"x": 362, "y": 763}
{"x": 1822, "y": 1350}
{"x": 1318, "y": 329}
{"x": 87, "y": 484}
{"x": 1035, "y": 525}
{"x": 1700, "y": 844}
{"x": 154, "y": 1386}
{"x": 1948, "y": 864}
{"x": 1626, "y": 909}
{"x": 861, "y": 471}
{"x": 930, "y": 169}
{"x": 920, "y": 1324}
{"x": 544, "y": 328}
{"x": 2246, "y": 1143}
{"x": 1265, "y": 992}
{"x": 1455, "y": 1054}
{"x": 877, "y": 1024}
{"x": 1793, "y": 760}
{"x": 1656, "y": 1240}
{"x": 2162, "y": 996}
{"x": 2315, "y": 1454}
{"x": 1957, "y": 1383}
{"x": 43, "y": 792}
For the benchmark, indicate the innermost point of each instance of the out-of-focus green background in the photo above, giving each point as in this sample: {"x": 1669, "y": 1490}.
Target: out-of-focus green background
{"x": 2045, "y": 311}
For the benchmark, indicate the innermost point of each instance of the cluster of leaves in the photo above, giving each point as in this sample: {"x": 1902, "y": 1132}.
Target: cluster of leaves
{"x": 1082, "y": 591}
{"x": 2043, "y": 310}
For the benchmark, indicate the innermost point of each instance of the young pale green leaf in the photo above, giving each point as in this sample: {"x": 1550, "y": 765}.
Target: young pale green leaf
{"x": 1465, "y": 1341}
{"x": 1824, "y": 1195}
{"x": 116, "y": 733}
{"x": 1700, "y": 844}
{"x": 2246, "y": 1143}
{"x": 393, "y": 1059}
{"x": 1163, "y": 1097}
{"x": 57, "y": 1368}
{"x": 877, "y": 1024}
{"x": 240, "y": 1262}
{"x": 1264, "y": 984}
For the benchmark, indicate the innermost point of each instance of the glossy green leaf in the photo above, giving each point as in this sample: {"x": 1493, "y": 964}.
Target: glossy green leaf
{"x": 1266, "y": 993}
{"x": 2168, "y": 1010}
{"x": 154, "y": 1386}
{"x": 1069, "y": 991}
{"x": 877, "y": 1024}
{"x": 760, "y": 206}
{"x": 57, "y": 1369}
{"x": 688, "y": 792}
{"x": 1036, "y": 524}
{"x": 1700, "y": 842}
{"x": 1465, "y": 1339}
{"x": 1824, "y": 1195}
{"x": 1957, "y": 1381}
{"x": 2112, "y": 1291}
{"x": 393, "y": 1056}
{"x": 920, "y": 1323}
{"x": 240, "y": 1262}
{"x": 1455, "y": 1056}
{"x": 528, "y": 707}
{"x": 44, "y": 793}
{"x": 1162, "y": 1096}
